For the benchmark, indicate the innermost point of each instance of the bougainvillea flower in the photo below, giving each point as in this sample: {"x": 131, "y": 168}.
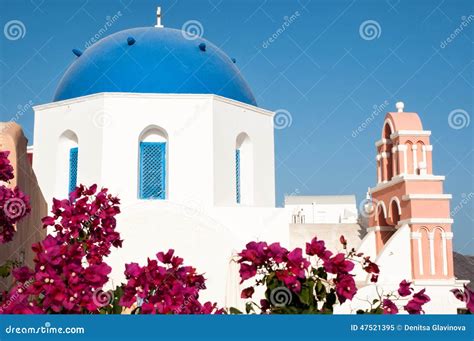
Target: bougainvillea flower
{"x": 247, "y": 292}
{"x": 317, "y": 247}
{"x": 404, "y": 288}
{"x": 389, "y": 307}
{"x": 297, "y": 264}
{"x": 338, "y": 264}
{"x": 345, "y": 287}
{"x": 413, "y": 307}
{"x": 6, "y": 169}
{"x": 166, "y": 289}
{"x": 247, "y": 271}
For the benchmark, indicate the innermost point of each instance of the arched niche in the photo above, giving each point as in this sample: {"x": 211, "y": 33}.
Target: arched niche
{"x": 244, "y": 170}
{"x": 67, "y": 163}
{"x": 153, "y": 164}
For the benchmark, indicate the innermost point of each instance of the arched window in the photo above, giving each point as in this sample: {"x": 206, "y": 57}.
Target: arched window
{"x": 73, "y": 157}
{"x": 388, "y": 163}
{"x": 381, "y": 214}
{"x": 420, "y": 157}
{"x": 244, "y": 170}
{"x": 152, "y": 181}
{"x": 395, "y": 211}
{"x": 67, "y": 167}
{"x": 411, "y": 166}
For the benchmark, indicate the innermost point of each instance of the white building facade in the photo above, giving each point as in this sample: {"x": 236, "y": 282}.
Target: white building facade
{"x": 169, "y": 125}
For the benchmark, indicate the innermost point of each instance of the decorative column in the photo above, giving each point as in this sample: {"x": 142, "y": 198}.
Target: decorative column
{"x": 417, "y": 254}
{"x": 445, "y": 255}
{"x": 427, "y": 158}
{"x": 379, "y": 168}
{"x": 432, "y": 252}
{"x": 385, "y": 166}
{"x": 394, "y": 161}
{"x": 402, "y": 158}
{"x": 415, "y": 158}
{"x": 449, "y": 254}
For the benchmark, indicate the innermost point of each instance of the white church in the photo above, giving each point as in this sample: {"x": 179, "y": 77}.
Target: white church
{"x": 167, "y": 123}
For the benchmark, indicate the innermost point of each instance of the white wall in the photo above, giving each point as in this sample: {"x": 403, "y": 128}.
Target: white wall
{"x": 200, "y": 218}
{"x": 229, "y": 121}
{"x": 52, "y": 121}
{"x": 324, "y": 213}
{"x": 202, "y": 132}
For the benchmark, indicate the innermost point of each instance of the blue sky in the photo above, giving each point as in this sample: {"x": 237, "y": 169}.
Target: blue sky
{"x": 324, "y": 72}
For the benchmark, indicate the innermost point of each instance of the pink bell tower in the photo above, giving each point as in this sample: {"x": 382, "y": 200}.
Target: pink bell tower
{"x": 407, "y": 193}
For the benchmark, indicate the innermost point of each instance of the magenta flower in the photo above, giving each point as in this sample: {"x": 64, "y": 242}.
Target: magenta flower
{"x": 338, "y": 264}
{"x": 14, "y": 206}
{"x": 317, "y": 247}
{"x": 296, "y": 263}
{"x": 404, "y": 288}
{"x": 389, "y": 307}
{"x": 277, "y": 252}
{"x": 168, "y": 289}
{"x": 345, "y": 287}
{"x": 413, "y": 307}
{"x": 69, "y": 266}
{"x": 465, "y": 296}
{"x": 247, "y": 271}
{"x": 6, "y": 169}
{"x": 247, "y": 292}
{"x": 421, "y": 297}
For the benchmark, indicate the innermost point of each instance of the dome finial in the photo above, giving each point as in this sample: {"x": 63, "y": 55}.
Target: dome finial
{"x": 158, "y": 17}
{"x": 400, "y": 106}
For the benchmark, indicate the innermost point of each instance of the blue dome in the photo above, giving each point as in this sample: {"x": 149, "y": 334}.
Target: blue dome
{"x": 153, "y": 60}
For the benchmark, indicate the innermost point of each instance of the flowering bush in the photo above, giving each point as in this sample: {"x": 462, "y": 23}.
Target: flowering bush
{"x": 386, "y": 303}
{"x": 14, "y": 204}
{"x": 312, "y": 283}
{"x": 467, "y": 296}
{"x": 69, "y": 268}
{"x": 70, "y": 271}
{"x": 168, "y": 289}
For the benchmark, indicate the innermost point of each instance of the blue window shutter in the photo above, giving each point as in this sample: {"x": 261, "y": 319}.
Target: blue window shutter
{"x": 237, "y": 175}
{"x": 152, "y": 170}
{"x": 73, "y": 153}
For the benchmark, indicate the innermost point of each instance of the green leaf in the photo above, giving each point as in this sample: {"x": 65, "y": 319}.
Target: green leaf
{"x": 304, "y": 295}
{"x": 5, "y": 271}
{"x": 249, "y": 308}
{"x": 234, "y": 311}
{"x": 322, "y": 273}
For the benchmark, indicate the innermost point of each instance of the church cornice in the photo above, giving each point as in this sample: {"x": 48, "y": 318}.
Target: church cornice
{"x": 107, "y": 95}
{"x": 410, "y": 177}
